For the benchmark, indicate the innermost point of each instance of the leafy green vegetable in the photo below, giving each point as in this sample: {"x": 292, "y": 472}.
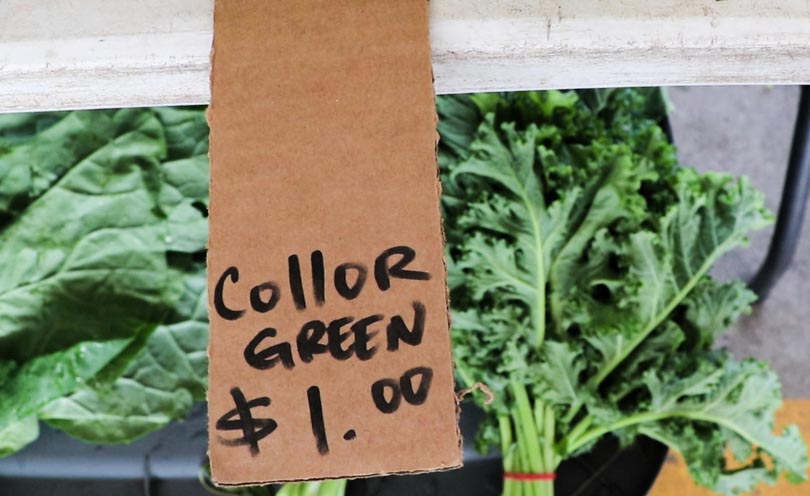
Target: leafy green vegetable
{"x": 159, "y": 385}
{"x": 322, "y": 488}
{"x": 28, "y": 387}
{"x": 85, "y": 259}
{"x": 579, "y": 256}
{"x": 104, "y": 223}
{"x": 18, "y": 435}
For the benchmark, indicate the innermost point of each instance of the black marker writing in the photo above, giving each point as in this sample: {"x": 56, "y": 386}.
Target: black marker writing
{"x": 419, "y": 396}
{"x": 337, "y": 338}
{"x": 226, "y": 313}
{"x": 342, "y": 285}
{"x": 379, "y": 396}
{"x": 362, "y": 337}
{"x": 270, "y": 356}
{"x": 309, "y": 340}
{"x": 402, "y": 389}
{"x": 296, "y": 283}
{"x": 265, "y": 304}
{"x": 341, "y": 338}
{"x": 384, "y": 271}
{"x": 241, "y": 419}
{"x": 316, "y": 419}
{"x": 318, "y": 277}
{"x": 349, "y": 281}
{"x": 397, "y": 330}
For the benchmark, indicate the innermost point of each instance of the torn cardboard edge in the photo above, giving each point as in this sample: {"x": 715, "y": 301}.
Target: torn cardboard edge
{"x": 353, "y": 477}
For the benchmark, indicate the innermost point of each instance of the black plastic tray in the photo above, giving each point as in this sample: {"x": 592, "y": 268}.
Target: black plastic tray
{"x": 167, "y": 463}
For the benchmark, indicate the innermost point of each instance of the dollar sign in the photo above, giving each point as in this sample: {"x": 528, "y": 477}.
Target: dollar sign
{"x": 241, "y": 419}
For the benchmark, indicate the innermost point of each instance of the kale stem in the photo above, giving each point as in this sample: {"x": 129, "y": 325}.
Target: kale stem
{"x": 548, "y": 432}
{"x": 505, "y": 429}
{"x": 575, "y": 433}
{"x": 522, "y": 458}
{"x": 539, "y": 316}
{"x": 539, "y": 425}
{"x": 465, "y": 376}
{"x": 539, "y": 420}
{"x": 528, "y": 438}
{"x": 638, "y": 418}
{"x": 332, "y": 488}
{"x": 527, "y": 425}
{"x": 507, "y": 442}
{"x": 572, "y": 412}
{"x": 597, "y": 432}
{"x": 545, "y": 418}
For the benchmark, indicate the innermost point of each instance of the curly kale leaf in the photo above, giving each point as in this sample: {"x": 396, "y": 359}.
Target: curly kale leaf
{"x": 579, "y": 257}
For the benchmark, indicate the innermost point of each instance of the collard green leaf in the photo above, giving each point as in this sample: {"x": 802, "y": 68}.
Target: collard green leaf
{"x": 38, "y": 381}
{"x": 18, "y": 435}
{"x": 29, "y": 169}
{"x": 159, "y": 385}
{"x": 170, "y": 374}
{"x": 106, "y": 212}
{"x": 17, "y": 129}
{"x": 184, "y": 200}
{"x": 87, "y": 260}
{"x": 186, "y": 131}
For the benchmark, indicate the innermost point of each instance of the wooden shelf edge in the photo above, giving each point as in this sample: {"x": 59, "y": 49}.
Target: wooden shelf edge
{"x": 97, "y": 54}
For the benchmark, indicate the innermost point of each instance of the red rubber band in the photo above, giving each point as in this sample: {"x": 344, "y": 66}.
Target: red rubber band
{"x": 526, "y": 477}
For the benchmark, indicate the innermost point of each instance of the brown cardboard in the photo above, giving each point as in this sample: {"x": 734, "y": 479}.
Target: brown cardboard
{"x": 323, "y": 141}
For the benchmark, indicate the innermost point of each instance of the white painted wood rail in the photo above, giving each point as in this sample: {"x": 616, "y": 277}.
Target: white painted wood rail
{"x": 61, "y": 54}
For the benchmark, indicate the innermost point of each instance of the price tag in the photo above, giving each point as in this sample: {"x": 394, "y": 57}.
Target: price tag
{"x": 330, "y": 348}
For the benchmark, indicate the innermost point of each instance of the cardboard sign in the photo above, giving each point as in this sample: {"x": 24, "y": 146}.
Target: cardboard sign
{"x": 330, "y": 348}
